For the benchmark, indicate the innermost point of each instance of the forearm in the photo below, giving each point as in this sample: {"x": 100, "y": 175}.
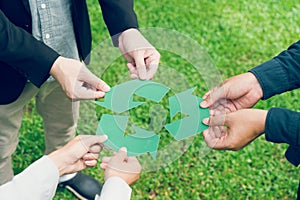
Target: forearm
{"x": 280, "y": 74}
{"x": 38, "y": 181}
{"x": 118, "y": 16}
{"x": 18, "y": 49}
{"x": 283, "y": 126}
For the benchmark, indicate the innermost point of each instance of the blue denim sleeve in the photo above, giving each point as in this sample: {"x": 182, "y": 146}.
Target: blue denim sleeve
{"x": 280, "y": 74}
{"x": 283, "y": 126}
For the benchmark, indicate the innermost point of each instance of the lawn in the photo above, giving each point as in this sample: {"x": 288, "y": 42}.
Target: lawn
{"x": 237, "y": 35}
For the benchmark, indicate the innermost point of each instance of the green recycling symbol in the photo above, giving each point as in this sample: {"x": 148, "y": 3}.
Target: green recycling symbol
{"x": 120, "y": 99}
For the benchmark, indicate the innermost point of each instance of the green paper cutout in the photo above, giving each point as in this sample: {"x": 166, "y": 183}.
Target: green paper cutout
{"x": 120, "y": 98}
{"x": 188, "y": 104}
{"x": 114, "y": 127}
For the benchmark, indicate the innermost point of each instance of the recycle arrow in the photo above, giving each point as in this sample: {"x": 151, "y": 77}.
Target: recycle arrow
{"x": 139, "y": 143}
{"x": 120, "y": 97}
{"x": 188, "y": 104}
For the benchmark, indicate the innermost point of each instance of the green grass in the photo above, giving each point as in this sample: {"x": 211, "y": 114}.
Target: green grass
{"x": 238, "y": 35}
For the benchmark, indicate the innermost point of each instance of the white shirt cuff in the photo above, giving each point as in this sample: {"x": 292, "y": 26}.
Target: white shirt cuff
{"x": 115, "y": 188}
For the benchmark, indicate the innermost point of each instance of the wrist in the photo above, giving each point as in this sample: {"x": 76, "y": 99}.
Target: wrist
{"x": 255, "y": 85}
{"x": 58, "y": 161}
{"x": 55, "y": 67}
{"x": 261, "y": 121}
{"x": 128, "y": 31}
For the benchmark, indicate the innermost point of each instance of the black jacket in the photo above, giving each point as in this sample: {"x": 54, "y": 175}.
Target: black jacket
{"x": 23, "y": 58}
{"x": 278, "y": 75}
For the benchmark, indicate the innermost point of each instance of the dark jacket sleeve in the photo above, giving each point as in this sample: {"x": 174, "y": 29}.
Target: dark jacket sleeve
{"x": 280, "y": 74}
{"x": 118, "y": 16}
{"x": 283, "y": 126}
{"x": 24, "y": 53}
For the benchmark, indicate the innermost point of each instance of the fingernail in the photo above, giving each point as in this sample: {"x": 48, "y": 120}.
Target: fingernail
{"x": 106, "y": 88}
{"x": 203, "y": 104}
{"x": 105, "y": 137}
{"x": 123, "y": 149}
{"x": 205, "y": 121}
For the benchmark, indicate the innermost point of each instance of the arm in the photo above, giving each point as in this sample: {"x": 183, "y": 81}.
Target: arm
{"x": 24, "y": 53}
{"x": 35, "y": 60}
{"x": 244, "y": 126}
{"x": 118, "y": 16}
{"x": 280, "y": 74}
{"x": 40, "y": 179}
{"x": 121, "y": 20}
{"x": 283, "y": 126}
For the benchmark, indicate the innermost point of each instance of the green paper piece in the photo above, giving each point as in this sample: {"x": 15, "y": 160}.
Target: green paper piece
{"x": 120, "y": 98}
{"x": 139, "y": 143}
{"x": 188, "y": 104}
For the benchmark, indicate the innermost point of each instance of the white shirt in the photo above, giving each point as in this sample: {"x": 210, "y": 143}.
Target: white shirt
{"x": 40, "y": 179}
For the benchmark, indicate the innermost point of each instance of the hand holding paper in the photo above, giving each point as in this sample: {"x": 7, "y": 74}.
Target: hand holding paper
{"x": 76, "y": 80}
{"x": 127, "y": 168}
{"x": 142, "y": 57}
{"x": 241, "y": 91}
{"x": 242, "y": 127}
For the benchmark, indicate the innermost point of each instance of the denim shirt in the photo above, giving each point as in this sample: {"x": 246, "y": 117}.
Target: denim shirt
{"x": 52, "y": 24}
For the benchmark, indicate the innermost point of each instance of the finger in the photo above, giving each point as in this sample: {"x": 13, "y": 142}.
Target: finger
{"x": 87, "y": 93}
{"x": 152, "y": 63}
{"x": 103, "y": 165}
{"x": 106, "y": 148}
{"x": 152, "y": 70}
{"x": 131, "y": 68}
{"x": 204, "y": 104}
{"x": 209, "y": 139}
{"x": 134, "y": 76}
{"x": 206, "y": 94}
{"x": 90, "y": 163}
{"x": 95, "y": 148}
{"x": 140, "y": 64}
{"x": 216, "y": 130}
{"x": 90, "y": 156}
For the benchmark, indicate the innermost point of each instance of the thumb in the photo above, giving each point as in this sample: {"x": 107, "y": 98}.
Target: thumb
{"x": 218, "y": 120}
{"x": 89, "y": 78}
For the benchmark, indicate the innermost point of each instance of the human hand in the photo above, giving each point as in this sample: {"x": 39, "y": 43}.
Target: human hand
{"x": 127, "y": 168}
{"x": 242, "y": 127}
{"x": 142, "y": 57}
{"x": 76, "y": 80}
{"x": 81, "y": 152}
{"x": 241, "y": 91}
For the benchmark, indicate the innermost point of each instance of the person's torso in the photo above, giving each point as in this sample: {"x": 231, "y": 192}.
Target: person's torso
{"x": 52, "y": 23}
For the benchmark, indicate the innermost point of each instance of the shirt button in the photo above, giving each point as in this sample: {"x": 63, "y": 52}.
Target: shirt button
{"x": 43, "y": 5}
{"x": 47, "y": 36}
